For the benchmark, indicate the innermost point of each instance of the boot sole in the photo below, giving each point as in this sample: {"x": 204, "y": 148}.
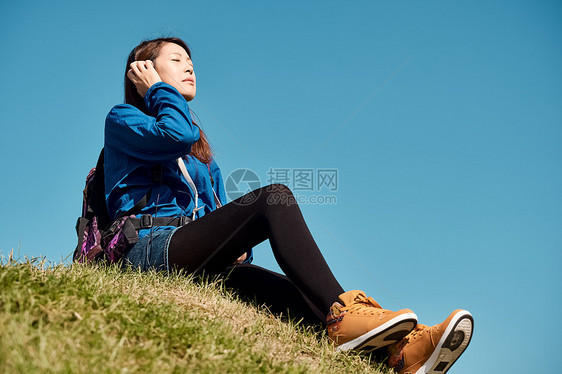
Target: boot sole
{"x": 452, "y": 344}
{"x": 386, "y": 334}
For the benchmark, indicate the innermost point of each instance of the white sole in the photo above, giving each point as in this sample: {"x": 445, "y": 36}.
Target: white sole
{"x": 452, "y": 344}
{"x": 386, "y": 334}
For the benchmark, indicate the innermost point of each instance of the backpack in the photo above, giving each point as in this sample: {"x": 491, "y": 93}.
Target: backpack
{"x": 100, "y": 238}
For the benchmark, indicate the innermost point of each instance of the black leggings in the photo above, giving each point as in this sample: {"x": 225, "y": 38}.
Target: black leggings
{"x": 212, "y": 243}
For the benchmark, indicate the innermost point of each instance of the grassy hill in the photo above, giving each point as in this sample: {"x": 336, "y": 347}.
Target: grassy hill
{"x": 99, "y": 319}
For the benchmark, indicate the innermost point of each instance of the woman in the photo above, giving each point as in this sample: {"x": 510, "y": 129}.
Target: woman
{"x": 150, "y": 132}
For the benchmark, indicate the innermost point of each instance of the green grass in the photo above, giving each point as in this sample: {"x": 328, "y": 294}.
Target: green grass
{"x": 100, "y": 319}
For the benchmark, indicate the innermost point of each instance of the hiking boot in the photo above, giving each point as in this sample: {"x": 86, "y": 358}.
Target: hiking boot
{"x": 432, "y": 350}
{"x": 360, "y": 323}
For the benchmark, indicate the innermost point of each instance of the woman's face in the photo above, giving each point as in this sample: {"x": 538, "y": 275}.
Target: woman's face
{"x": 176, "y": 68}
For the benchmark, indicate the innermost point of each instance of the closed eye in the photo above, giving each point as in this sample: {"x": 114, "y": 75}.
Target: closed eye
{"x": 180, "y": 61}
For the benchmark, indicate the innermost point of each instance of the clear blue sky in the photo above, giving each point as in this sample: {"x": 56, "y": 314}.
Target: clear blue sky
{"x": 443, "y": 119}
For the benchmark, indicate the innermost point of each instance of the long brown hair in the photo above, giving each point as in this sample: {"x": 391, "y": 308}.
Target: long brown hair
{"x": 149, "y": 50}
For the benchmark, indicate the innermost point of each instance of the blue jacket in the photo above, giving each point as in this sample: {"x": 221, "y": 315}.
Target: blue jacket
{"x": 135, "y": 141}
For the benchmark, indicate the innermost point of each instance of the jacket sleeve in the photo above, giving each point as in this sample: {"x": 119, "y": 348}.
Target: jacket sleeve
{"x": 167, "y": 133}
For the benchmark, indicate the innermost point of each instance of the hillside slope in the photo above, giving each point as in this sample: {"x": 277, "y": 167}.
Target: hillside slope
{"x": 104, "y": 320}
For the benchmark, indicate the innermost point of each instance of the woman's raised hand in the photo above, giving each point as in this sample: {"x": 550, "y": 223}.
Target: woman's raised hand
{"x": 143, "y": 75}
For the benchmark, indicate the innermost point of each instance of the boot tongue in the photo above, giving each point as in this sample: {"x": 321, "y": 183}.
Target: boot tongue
{"x": 348, "y": 297}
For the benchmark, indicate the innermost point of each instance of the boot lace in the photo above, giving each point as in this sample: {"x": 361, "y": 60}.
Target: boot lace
{"x": 417, "y": 331}
{"x": 395, "y": 350}
{"x": 361, "y": 301}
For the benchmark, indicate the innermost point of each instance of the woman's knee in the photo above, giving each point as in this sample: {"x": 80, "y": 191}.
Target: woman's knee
{"x": 277, "y": 193}
{"x": 277, "y": 188}
{"x": 265, "y": 197}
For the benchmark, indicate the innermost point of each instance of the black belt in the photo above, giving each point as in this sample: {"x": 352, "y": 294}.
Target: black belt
{"x": 147, "y": 221}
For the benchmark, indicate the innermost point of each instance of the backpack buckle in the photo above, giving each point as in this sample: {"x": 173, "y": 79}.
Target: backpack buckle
{"x": 146, "y": 221}
{"x": 183, "y": 220}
